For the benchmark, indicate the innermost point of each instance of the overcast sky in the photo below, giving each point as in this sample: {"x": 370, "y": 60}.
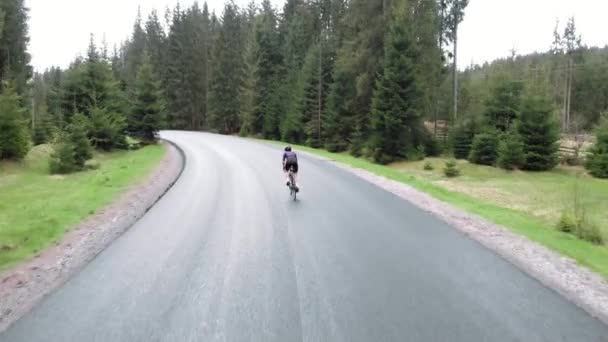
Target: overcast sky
{"x": 59, "y": 29}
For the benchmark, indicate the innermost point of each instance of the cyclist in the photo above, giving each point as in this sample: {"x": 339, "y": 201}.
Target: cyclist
{"x": 290, "y": 160}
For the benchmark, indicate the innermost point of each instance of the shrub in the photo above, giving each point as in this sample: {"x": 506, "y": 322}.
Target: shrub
{"x": 432, "y": 147}
{"x": 597, "y": 161}
{"x": 539, "y": 134}
{"x": 571, "y": 160}
{"x": 510, "y": 152}
{"x": 451, "y": 169}
{"x": 415, "y": 154}
{"x": 462, "y": 138}
{"x": 589, "y": 231}
{"x": 77, "y": 137}
{"x": 428, "y": 166}
{"x": 567, "y": 223}
{"x": 62, "y": 158}
{"x": 484, "y": 149}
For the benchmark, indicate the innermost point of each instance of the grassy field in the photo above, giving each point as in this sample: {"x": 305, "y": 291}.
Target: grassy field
{"x": 528, "y": 203}
{"x": 36, "y": 209}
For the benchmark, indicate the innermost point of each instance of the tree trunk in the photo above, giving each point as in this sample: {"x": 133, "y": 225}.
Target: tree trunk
{"x": 570, "y": 81}
{"x": 455, "y": 72}
{"x": 320, "y": 91}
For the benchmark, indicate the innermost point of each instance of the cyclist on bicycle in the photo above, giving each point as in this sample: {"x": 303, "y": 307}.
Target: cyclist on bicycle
{"x": 290, "y": 161}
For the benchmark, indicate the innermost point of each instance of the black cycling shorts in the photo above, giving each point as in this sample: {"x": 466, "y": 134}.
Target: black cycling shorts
{"x": 289, "y": 165}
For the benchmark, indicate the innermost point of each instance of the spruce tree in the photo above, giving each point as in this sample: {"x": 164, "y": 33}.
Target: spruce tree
{"x": 14, "y": 133}
{"x": 539, "y": 134}
{"x": 269, "y": 66}
{"x": 227, "y": 75}
{"x": 396, "y": 124}
{"x": 503, "y": 106}
{"x": 358, "y": 63}
{"x": 510, "y": 152}
{"x": 597, "y": 161}
{"x": 14, "y": 58}
{"x": 77, "y": 138}
{"x": 146, "y": 117}
{"x": 484, "y": 149}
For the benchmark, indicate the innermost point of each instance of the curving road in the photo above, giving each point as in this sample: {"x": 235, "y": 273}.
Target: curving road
{"x": 226, "y": 256}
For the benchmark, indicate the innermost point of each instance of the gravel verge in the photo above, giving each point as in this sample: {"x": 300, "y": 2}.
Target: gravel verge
{"x": 25, "y": 285}
{"x": 576, "y": 283}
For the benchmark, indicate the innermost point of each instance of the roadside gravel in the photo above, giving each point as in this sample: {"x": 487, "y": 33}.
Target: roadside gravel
{"x": 25, "y": 285}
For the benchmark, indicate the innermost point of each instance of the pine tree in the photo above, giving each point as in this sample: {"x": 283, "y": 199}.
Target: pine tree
{"x": 14, "y": 58}
{"x": 395, "y": 120}
{"x": 106, "y": 129}
{"x": 504, "y": 104}
{"x": 510, "y": 152}
{"x": 539, "y": 134}
{"x": 484, "y": 149}
{"x": 246, "y": 113}
{"x": 77, "y": 138}
{"x": 269, "y": 66}
{"x": 358, "y": 63}
{"x": 597, "y": 161}
{"x": 146, "y": 117}
{"x": 156, "y": 45}
{"x": 177, "y": 92}
{"x": 135, "y": 51}
{"x": 462, "y": 139}
{"x": 227, "y": 74}
{"x": 14, "y": 133}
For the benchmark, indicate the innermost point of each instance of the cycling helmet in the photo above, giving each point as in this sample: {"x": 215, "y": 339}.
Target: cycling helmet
{"x": 288, "y": 149}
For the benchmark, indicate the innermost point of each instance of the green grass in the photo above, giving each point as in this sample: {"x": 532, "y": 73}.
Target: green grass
{"x": 527, "y": 203}
{"x": 37, "y": 209}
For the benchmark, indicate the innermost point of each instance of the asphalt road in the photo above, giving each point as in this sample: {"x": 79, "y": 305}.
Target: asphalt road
{"x": 227, "y": 256}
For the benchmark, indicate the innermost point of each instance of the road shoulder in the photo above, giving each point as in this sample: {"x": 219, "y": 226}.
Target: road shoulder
{"x": 22, "y": 287}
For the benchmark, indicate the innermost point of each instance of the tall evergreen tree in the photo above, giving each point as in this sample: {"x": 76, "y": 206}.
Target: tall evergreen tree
{"x": 227, "y": 75}
{"x": 396, "y": 123}
{"x": 504, "y": 104}
{"x": 14, "y": 58}
{"x": 146, "y": 117}
{"x": 539, "y": 133}
{"x": 14, "y": 133}
{"x": 357, "y": 66}
{"x": 135, "y": 50}
{"x": 269, "y": 69}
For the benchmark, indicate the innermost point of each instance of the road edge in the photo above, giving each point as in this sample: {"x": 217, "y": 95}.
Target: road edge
{"x": 576, "y": 283}
{"x": 24, "y": 286}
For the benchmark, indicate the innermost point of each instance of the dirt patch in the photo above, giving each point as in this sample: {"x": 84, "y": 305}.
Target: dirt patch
{"x": 25, "y": 285}
{"x": 576, "y": 283}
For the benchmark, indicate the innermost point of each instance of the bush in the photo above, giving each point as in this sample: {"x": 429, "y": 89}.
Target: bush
{"x": 77, "y": 136}
{"x": 589, "y": 231}
{"x": 539, "y": 134}
{"x": 571, "y": 160}
{"x": 428, "y": 166}
{"x": 597, "y": 161}
{"x": 510, "y": 152}
{"x": 462, "y": 138}
{"x": 432, "y": 147}
{"x": 62, "y": 159}
{"x": 416, "y": 154}
{"x": 567, "y": 223}
{"x": 484, "y": 149}
{"x": 451, "y": 169}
